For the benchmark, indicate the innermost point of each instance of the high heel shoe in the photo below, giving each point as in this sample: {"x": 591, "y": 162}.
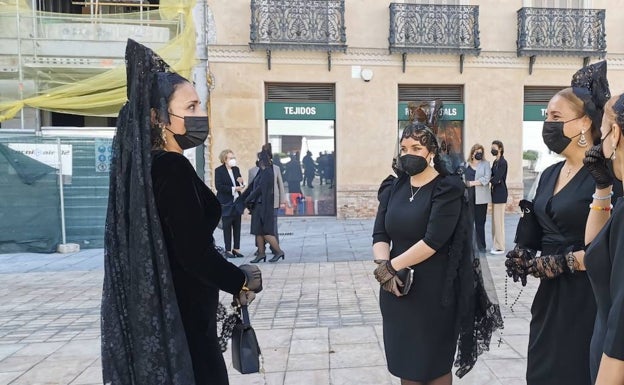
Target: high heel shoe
{"x": 259, "y": 258}
{"x": 277, "y": 257}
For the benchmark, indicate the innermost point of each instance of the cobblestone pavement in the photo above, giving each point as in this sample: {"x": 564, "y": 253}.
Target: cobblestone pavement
{"x": 317, "y": 320}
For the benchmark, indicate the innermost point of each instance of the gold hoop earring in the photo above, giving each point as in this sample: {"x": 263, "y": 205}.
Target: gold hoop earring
{"x": 582, "y": 142}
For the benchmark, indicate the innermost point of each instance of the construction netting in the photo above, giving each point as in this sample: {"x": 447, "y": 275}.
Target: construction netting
{"x": 42, "y": 67}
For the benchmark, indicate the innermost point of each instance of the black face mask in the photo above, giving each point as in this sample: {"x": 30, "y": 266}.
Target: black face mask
{"x": 196, "y": 131}
{"x": 413, "y": 164}
{"x": 494, "y": 152}
{"x": 554, "y": 138}
{"x": 478, "y": 155}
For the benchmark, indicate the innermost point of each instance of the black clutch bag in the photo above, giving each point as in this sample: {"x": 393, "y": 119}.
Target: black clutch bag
{"x": 245, "y": 348}
{"x": 529, "y": 232}
{"x": 406, "y": 276}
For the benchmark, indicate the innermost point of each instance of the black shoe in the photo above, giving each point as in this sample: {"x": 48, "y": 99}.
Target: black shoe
{"x": 228, "y": 255}
{"x": 277, "y": 258}
{"x": 259, "y": 258}
{"x": 237, "y": 254}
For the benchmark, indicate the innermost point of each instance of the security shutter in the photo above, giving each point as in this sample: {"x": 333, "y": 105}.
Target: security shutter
{"x": 448, "y": 94}
{"x": 300, "y": 92}
{"x": 539, "y": 95}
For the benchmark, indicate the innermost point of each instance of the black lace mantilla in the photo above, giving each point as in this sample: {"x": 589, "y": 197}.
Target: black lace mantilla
{"x": 143, "y": 339}
{"x": 478, "y": 313}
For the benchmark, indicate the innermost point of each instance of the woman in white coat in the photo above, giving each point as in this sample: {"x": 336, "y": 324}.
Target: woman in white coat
{"x": 477, "y": 178}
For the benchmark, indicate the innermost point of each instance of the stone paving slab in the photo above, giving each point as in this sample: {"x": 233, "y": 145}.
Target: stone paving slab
{"x": 317, "y": 320}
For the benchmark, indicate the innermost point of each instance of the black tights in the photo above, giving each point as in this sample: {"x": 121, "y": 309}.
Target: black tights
{"x": 271, "y": 240}
{"x": 446, "y": 379}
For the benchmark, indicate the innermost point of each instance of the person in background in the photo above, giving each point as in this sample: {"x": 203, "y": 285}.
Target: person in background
{"x": 498, "y": 185}
{"x": 477, "y": 177}
{"x": 229, "y": 184}
{"x": 293, "y": 174}
{"x": 309, "y": 169}
{"x": 279, "y": 193}
{"x": 259, "y": 200}
{"x": 604, "y": 258}
{"x": 563, "y": 311}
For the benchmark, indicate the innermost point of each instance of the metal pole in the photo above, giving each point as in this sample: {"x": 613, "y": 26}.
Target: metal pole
{"x": 20, "y": 74}
{"x": 60, "y": 174}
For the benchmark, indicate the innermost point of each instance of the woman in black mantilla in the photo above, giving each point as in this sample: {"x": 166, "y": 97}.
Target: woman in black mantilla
{"x": 421, "y": 324}
{"x": 605, "y": 256}
{"x": 162, "y": 271}
{"x": 564, "y": 308}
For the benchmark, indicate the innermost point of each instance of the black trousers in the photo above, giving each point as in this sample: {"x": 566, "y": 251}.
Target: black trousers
{"x": 480, "y": 213}
{"x": 231, "y": 224}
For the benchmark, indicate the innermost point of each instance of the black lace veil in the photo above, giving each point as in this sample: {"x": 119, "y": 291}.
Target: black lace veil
{"x": 143, "y": 339}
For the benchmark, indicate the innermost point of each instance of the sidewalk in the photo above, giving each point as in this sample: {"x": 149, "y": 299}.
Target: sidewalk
{"x": 317, "y": 320}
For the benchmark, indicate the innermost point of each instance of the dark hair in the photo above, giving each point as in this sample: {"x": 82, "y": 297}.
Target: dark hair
{"x": 164, "y": 84}
{"x": 423, "y": 134}
{"x": 501, "y": 148}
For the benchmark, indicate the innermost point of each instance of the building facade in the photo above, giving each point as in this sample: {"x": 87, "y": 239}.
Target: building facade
{"x": 335, "y": 77}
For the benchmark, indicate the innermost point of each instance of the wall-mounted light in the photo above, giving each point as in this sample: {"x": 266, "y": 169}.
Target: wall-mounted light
{"x": 366, "y": 74}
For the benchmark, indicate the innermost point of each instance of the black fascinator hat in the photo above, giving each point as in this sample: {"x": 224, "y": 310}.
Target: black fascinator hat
{"x": 590, "y": 84}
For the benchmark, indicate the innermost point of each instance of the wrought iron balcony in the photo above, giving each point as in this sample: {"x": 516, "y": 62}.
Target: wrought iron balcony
{"x": 561, "y": 32}
{"x": 434, "y": 29}
{"x": 298, "y": 25}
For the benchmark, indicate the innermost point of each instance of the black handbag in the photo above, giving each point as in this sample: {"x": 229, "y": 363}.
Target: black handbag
{"x": 245, "y": 348}
{"x": 529, "y": 232}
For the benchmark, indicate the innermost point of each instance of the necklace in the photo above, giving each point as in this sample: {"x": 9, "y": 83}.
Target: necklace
{"x": 413, "y": 193}
{"x": 569, "y": 171}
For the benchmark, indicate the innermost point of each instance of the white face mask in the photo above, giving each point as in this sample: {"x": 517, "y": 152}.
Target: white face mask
{"x": 232, "y": 162}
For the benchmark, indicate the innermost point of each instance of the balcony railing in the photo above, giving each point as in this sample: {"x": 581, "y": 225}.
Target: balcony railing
{"x": 434, "y": 29}
{"x": 298, "y": 25}
{"x": 561, "y": 32}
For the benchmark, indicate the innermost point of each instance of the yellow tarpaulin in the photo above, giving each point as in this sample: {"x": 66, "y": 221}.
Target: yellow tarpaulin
{"x": 104, "y": 93}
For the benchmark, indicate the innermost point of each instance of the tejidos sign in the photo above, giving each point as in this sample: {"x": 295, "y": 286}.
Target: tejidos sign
{"x": 534, "y": 113}
{"x": 299, "y": 111}
{"x": 450, "y": 111}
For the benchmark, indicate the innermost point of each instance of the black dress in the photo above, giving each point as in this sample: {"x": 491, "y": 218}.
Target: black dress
{"x": 604, "y": 261}
{"x": 563, "y": 309}
{"x": 420, "y": 336}
{"x": 189, "y": 213}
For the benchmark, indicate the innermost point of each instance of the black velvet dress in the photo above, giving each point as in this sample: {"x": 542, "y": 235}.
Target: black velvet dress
{"x": 604, "y": 261}
{"x": 420, "y": 334}
{"x": 563, "y": 309}
{"x": 189, "y": 213}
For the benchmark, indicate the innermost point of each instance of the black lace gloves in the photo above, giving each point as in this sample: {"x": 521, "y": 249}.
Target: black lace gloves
{"x": 517, "y": 263}
{"x": 387, "y": 278}
{"x": 522, "y": 262}
{"x": 253, "y": 285}
{"x": 597, "y": 166}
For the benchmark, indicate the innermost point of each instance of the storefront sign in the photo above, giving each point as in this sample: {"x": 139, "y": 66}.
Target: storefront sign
{"x": 450, "y": 111}
{"x": 299, "y": 111}
{"x": 47, "y": 154}
{"x": 534, "y": 113}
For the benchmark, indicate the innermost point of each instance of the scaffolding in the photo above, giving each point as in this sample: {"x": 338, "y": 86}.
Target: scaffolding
{"x": 73, "y": 63}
